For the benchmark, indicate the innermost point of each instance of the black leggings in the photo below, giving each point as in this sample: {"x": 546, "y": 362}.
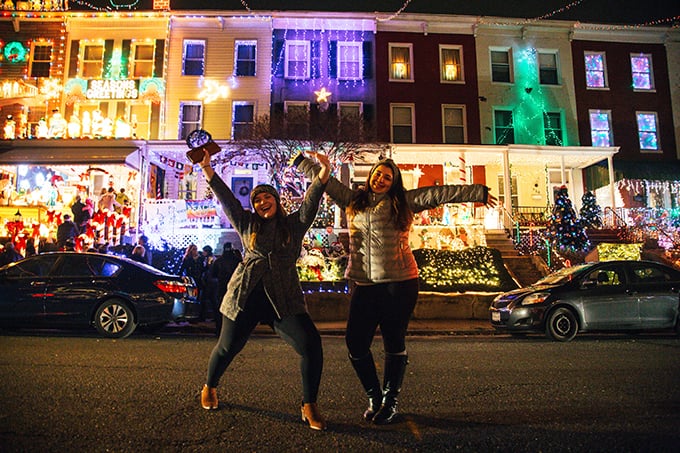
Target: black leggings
{"x": 298, "y": 330}
{"x": 388, "y": 305}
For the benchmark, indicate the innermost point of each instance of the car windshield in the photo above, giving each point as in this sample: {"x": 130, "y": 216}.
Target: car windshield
{"x": 563, "y": 275}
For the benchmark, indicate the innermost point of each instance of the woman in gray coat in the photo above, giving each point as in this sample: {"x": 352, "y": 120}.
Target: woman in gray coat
{"x": 265, "y": 287}
{"x": 384, "y": 270}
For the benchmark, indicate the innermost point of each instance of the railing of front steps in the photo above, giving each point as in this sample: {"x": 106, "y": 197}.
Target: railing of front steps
{"x": 653, "y": 227}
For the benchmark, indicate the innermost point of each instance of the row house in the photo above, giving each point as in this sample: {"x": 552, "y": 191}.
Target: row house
{"x": 624, "y": 99}
{"x": 501, "y": 102}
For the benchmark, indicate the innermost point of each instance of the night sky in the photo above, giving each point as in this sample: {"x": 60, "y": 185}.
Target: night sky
{"x": 598, "y": 11}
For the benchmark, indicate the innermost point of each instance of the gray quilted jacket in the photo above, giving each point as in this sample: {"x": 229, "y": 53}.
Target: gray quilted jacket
{"x": 379, "y": 252}
{"x": 269, "y": 261}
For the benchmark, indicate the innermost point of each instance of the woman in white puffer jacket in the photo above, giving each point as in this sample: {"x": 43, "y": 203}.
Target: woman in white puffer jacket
{"x": 384, "y": 270}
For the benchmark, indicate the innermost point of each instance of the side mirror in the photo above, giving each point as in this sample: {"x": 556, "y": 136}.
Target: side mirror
{"x": 588, "y": 284}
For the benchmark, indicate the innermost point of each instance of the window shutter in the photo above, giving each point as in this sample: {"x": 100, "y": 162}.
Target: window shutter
{"x": 108, "y": 53}
{"x": 333, "y": 60}
{"x": 73, "y": 59}
{"x": 279, "y": 60}
{"x": 368, "y": 59}
{"x": 125, "y": 58}
{"x": 159, "y": 58}
{"x": 315, "y": 50}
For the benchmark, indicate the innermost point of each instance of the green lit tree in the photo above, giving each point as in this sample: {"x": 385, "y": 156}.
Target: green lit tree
{"x": 565, "y": 232}
{"x": 591, "y": 212}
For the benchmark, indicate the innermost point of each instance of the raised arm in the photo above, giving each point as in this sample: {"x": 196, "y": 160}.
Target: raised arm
{"x": 310, "y": 204}
{"x": 340, "y": 193}
{"x": 433, "y": 196}
{"x": 231, "y": 205}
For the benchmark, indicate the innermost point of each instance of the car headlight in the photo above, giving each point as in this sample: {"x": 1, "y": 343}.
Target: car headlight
{"x": 535, "y": 298}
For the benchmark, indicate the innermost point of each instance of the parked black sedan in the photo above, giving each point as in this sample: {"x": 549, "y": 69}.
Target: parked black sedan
{"x": 602, "y": 296}
{"x": 113, "y": 294}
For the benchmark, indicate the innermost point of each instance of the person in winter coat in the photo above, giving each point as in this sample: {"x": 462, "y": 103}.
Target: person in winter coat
{"x": 265, "y": 287}
{"x": 221, "y": 271}
{"x": 384, "y": 271}
{"x": 67, "y": 232}
{"x": 9, "y": 254}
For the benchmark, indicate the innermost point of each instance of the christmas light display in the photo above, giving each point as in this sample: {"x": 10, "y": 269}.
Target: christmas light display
{"x": 472, "y": 269}
{"x": 565, "y": 231}
{"x": 15, "y": 52}
{"x": 591, "y": 212}
{"x": 611, "y": 252}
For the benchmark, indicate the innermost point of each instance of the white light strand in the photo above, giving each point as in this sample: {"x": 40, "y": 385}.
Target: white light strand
{"x": 399, "y": 11}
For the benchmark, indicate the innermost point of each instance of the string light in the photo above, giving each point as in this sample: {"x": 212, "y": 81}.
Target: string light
{"x": 399, "y": 11}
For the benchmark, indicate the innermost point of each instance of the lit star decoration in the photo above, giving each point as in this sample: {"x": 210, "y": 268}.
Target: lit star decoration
{"x": 322, "y": 95}
{"x": 212, "y": 91}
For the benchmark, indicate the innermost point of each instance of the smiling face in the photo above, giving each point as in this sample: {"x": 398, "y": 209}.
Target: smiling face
{"x": 381, "y": 179}
{"x": 265, "y": 205}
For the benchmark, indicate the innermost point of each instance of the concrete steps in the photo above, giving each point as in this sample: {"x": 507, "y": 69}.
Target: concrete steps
{"x": 524, "y": 269}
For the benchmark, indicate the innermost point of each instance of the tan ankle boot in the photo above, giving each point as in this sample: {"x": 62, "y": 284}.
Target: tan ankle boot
{"x": 209, "y": 397}
{"x": 311, "y": 415}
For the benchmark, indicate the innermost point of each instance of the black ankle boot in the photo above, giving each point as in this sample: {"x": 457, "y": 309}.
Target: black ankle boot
{"x": 395, "y": 367}
{"x": 365, "y": 369}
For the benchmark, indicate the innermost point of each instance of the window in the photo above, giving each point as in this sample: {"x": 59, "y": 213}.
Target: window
{"x": 514, "y": 198}
{"x": 190, "y": 118}
{"x": 350, "y": 60}
{"x": 504, "y": 127}
{"x": 402, "y": 122}
{"x": 641, "y": 67}
{"x": 92, "y": 61}
{"x": 453, "y": 123}
{"x": 41, "y": 60}
{"x": 552, "y": 128}
{"x": 140, "y": 116}
{"x": 547, "y": 68}
{"x": 648, "y": 125}
{"x": 297, "y": 119}
{"x": 243, "y": 117}
{"x": 601, "y": 127}
{"x": 596, "y": 70}
{"x": 245, "y": 57}
{"x": 193, "y": 58}
{"x": 143, "y": 59}
{"x": 297, "y": 60}
{"x": 401, "y": 57}
{"x": 451, "y": 63}
{"x": 350, "y": 115}
{"x": 501, "y": 62}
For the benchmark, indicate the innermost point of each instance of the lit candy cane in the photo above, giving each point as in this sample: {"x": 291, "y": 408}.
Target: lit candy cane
{"x": 463, "y": 180}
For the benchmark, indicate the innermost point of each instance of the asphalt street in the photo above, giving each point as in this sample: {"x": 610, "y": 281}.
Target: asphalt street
{"x": 64, "y": 392}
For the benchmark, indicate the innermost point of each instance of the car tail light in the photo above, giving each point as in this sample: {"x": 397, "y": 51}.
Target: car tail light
{"x": 170, "y": 286}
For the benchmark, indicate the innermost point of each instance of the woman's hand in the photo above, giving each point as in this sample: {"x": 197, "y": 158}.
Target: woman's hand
{"x": 205, "y": 165}
{"x": 325, "y": 163}
{"x": 491, "y": 201}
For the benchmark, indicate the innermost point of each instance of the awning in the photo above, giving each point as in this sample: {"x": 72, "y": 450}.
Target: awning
{"x": 59, "y": 152}
{"x": 652, "y": 171}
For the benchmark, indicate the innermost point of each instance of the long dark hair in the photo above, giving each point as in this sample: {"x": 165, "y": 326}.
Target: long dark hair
{"x": 281, "y": 225}
{"x": 401, "y": 212}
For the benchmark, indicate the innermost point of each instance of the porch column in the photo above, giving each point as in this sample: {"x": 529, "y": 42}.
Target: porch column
{"x": 610, "y": 168}
{"x": 507, "y": 186}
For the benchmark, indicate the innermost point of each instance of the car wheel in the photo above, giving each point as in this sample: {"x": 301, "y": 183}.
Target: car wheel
{"x": 114, "y": 319}
{"x": 562, "y": 325}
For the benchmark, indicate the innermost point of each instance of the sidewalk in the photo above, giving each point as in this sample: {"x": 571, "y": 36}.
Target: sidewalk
{"x": 422, "y": 327}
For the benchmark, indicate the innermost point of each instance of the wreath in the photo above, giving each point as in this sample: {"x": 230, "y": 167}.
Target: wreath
{"x": 15, "y": 52}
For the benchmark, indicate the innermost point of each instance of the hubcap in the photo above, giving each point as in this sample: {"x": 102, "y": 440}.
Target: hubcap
{"x": 113, "y": 318}
{"x": 562, "y": 325}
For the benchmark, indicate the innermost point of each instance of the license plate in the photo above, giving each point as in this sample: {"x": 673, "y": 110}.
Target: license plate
{"x": 496, "y": 316}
